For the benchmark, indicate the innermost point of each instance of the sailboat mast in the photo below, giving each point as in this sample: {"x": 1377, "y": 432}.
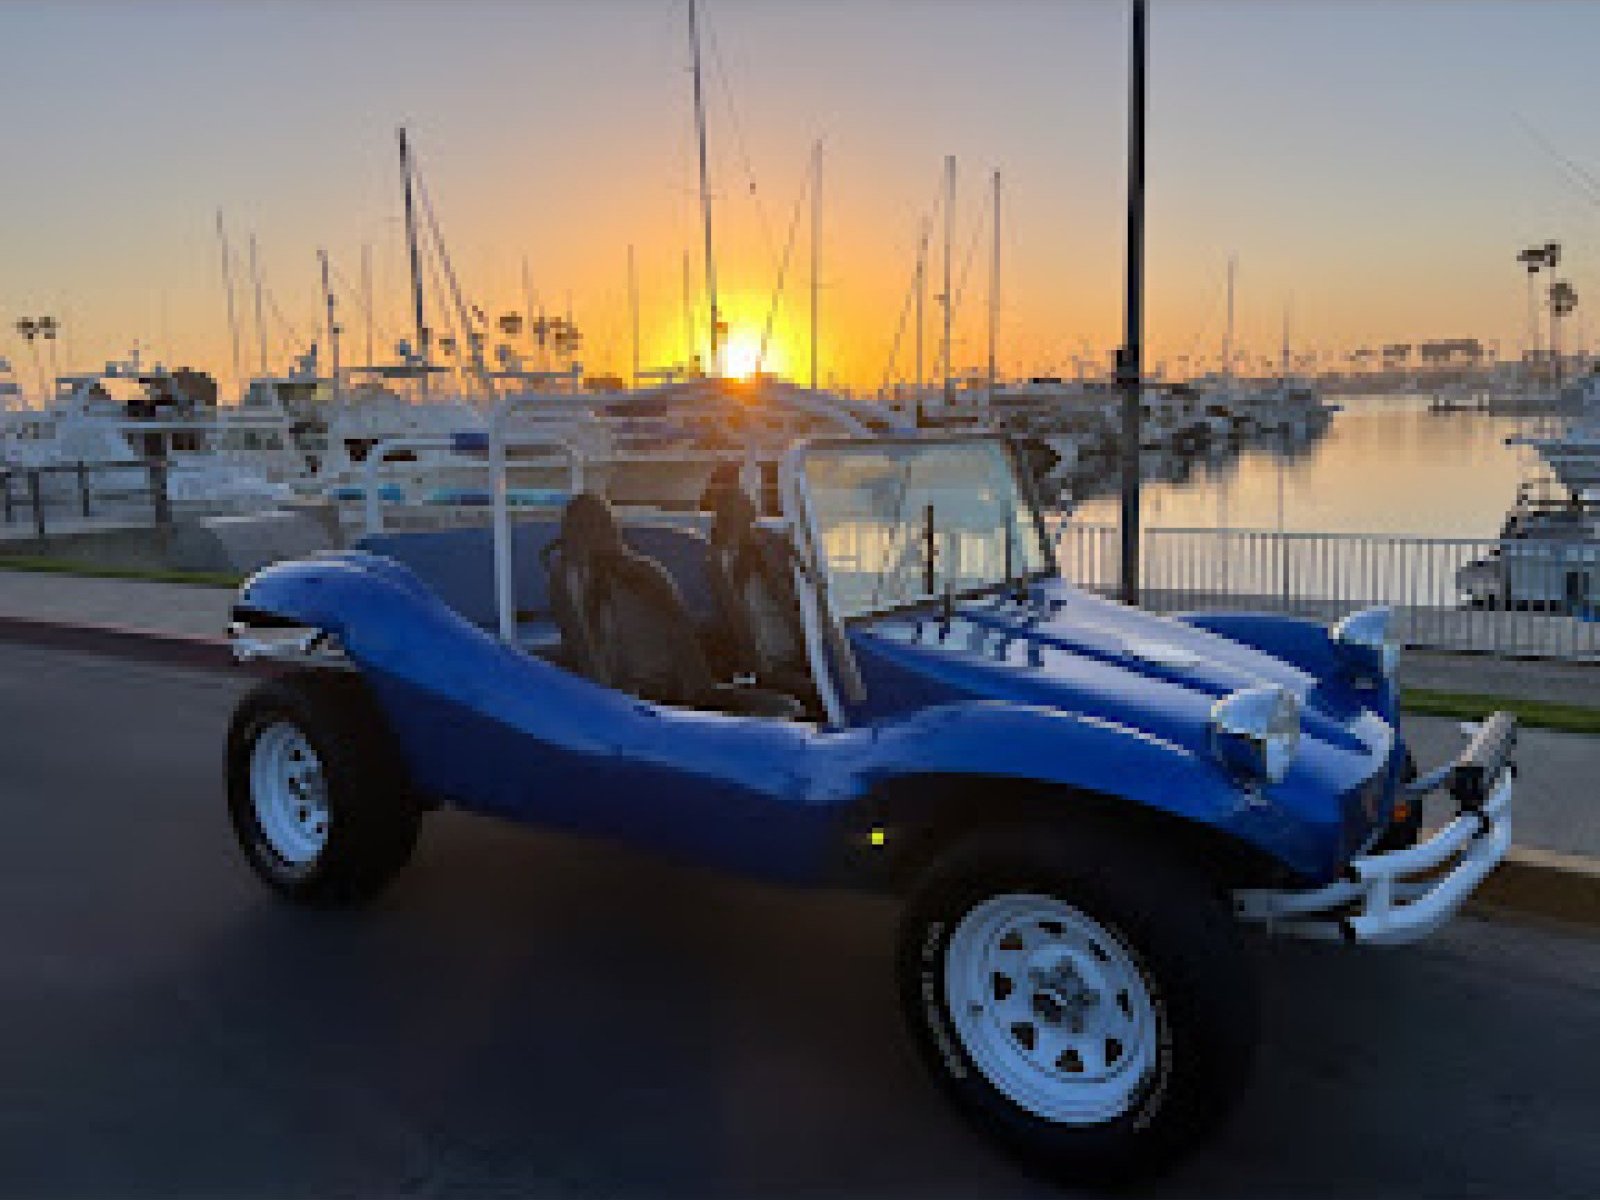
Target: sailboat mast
{"x": 233, "y": 317}
{"x": 712, "y": 367}
{"x": 945, "y": 297}
{"x": 922, "y": 290}
{"x": 333, "y": 326}
{"x": 994, "y": 290}
{"x": 527, "y": 298}
{"x": 255, "y": 283}
{"x": 366, "y": 294}
{"x": 1283, "y": 364}
{"x": 816, "y": 248}
{"x": 633, "y": 312}
{"x": 415, "y": 253}
{"x": 688, "y": 318}
{"x": 1227, "y": 337}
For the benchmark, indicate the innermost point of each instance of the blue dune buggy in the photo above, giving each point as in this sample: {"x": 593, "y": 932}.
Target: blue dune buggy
{"x": 889, "y": 687}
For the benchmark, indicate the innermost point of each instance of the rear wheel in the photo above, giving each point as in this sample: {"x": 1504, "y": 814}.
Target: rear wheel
{"x": 316, "y": 794}
{"x": 1084, "y": 1002}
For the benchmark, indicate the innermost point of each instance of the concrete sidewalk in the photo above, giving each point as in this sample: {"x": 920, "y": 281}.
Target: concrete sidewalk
{"x": 171, "y": 608}
{"x": 1557, "y": 797}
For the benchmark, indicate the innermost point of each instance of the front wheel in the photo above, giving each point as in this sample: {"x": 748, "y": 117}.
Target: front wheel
{"x": 1084, "y": 1002}
{"x": 316, "y": 794}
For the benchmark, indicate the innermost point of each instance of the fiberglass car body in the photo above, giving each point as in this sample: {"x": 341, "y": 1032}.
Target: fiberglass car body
{"x": 1080, "y": 800}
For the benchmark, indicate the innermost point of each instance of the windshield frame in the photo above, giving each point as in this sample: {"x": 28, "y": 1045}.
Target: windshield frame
{"x": 801, "y": 454}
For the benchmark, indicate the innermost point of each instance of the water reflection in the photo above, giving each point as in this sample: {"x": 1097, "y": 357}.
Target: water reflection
{"x": 1384, "y": 465}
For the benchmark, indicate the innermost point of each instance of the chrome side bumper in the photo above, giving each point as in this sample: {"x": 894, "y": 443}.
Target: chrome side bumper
{"x": 292, "y": 645}
{"x": 1377, "y": 901}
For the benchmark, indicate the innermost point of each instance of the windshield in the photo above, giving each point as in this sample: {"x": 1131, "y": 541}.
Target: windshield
{"x": 902, "y": 522}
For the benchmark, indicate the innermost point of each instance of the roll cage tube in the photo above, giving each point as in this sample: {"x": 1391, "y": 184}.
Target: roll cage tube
{"x": 504, "y": 597}
{"x": 373, "y": 499}
{"x": 372, "y": 502}
{"x": 823, "y": 631}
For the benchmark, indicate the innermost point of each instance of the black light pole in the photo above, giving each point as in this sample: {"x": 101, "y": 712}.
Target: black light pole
{"x": 1130, "y": 364}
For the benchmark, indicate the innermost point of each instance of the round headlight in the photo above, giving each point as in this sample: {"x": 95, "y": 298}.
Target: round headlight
{"x": 1365, "y": 648}
{"x": 1255, "y": 733}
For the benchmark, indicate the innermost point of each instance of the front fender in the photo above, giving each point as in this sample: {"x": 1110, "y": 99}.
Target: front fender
{"x": 1303, "y": 643}
{"x": 1069, "y": 752}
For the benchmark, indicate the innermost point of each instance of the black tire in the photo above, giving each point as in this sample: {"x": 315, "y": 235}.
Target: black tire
{"x": 1182, "y": 942}
{"x": 1404, "y": 833}
{"x": 372, "y": 815}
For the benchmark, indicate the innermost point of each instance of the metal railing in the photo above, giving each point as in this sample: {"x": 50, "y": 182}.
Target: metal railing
{"x": 1532, "y": 598}
{"x": 66, "y": 497}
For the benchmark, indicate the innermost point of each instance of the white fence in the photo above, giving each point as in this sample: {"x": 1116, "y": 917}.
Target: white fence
{"x": 1533, "y": 599}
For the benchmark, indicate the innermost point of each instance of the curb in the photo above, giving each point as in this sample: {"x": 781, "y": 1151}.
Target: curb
{"x": 119, "y": 641}
{"x": 1541, "y": 883}
{"x": 1535, "y": 883}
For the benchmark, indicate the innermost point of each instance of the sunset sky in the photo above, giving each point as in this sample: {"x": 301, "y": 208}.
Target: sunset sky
{"x": 1378, "y": 162}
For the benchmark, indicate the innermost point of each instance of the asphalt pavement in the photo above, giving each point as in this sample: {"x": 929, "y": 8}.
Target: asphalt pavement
{"x": 531, "y": 1015}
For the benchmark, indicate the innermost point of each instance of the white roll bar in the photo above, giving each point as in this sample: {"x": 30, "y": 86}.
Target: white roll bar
{"x": 372, "y": 499}
{"x": 504, "y": 593}
{"x": 376, "y": 457}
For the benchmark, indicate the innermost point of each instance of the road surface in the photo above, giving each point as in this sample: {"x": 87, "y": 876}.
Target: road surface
{"x": 528, "y": 1015}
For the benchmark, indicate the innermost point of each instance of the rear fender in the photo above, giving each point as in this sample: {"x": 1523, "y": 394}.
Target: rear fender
{"x": 332, "y": 592}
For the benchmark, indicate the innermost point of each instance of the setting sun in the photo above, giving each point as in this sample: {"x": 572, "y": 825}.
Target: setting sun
{"x": 742, "y": 357}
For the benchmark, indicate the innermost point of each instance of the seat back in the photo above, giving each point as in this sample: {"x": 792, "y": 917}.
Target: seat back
{"x": 623, "y": 621}
{"x": 458, "y": 565}
{"x": 752, "y": 572}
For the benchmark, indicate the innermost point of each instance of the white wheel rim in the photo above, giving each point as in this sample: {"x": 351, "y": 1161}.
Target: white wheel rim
{"x": 289, "y": 794}
{"x": 1051, "y": 1008}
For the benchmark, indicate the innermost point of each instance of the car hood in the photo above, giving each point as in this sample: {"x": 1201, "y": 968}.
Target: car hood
{"x": 1071, "y": 650}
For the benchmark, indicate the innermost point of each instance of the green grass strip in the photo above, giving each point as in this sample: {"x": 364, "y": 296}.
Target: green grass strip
{"x": 1539, "y": 714}
{"x": 57, "y": 566}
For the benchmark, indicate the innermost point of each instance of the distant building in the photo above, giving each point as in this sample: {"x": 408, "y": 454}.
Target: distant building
{"x": 1449, "y": 351}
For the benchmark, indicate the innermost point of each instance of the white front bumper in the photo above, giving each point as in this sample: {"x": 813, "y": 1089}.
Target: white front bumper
{"x": 1376, "y": 901}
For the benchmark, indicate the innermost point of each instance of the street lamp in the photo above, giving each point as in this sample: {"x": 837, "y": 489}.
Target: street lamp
{"x": 1130, "y": 355}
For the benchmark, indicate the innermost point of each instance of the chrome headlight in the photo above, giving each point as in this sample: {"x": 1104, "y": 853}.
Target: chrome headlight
{"x": 1255, "y": 733}
{"x": 1365, "y": 648}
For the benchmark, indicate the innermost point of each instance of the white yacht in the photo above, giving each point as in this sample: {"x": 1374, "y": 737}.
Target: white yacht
{"x": 1546, "y": 559}
{"x": 1572, "y": 452}
{"x": 120, "y": 420}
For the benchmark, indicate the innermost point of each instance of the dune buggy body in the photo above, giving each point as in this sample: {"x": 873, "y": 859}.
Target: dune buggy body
{"x": 1078, "y": 801}
{"x": 961, "y": 681}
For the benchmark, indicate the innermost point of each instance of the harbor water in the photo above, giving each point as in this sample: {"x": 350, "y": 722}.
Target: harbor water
{"x": 1385, "y": 464}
